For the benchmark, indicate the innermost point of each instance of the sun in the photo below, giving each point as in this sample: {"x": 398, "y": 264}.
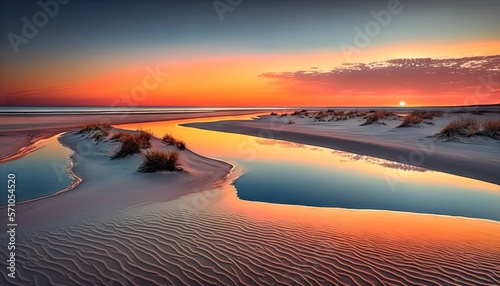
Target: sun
{"x": 402, "y": 103}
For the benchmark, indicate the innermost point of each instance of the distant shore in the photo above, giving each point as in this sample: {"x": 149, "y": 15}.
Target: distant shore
{"x": 474, "y": 157}
{"x": 19, "y": 132}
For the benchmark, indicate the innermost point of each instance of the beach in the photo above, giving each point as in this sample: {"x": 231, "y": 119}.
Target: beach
{"x": 475, "y": 157}
{"x": 252, "y": 143}
{"x": 19, "y": 131}
{"x": 125, "y": 227}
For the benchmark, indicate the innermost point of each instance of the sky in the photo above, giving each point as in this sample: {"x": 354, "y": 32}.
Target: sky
{"x": 249, "y": 53}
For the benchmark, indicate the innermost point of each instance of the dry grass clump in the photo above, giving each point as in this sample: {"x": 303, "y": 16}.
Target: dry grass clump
{"x": 461, "y": 127}
{"x": 131, "y": 143}
{"x": 375, "y": 116}
{"x": 100, "y": 135}
{"x": 95, "y": 127}
{"x": 411, "y": 120}
{"x": 171, "y": 140}
{"x": 427, "y": 114}
{"x": 491, "y": 128}
{"x": 130, "y": 146}
{"x": 337, "y": 115}
{"x": 418, "y": 116}
{"x": 155, "y": 160}
{"x": 303, "y": 113}
{"x": 320, "y": 116}
{"x": 144, "y": 138}
{"x": 120, "y": 136}
{"x": 102, "y": 130}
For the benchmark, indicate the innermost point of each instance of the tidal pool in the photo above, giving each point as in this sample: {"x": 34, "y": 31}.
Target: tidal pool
{"x": 40, "y": 173}
{"x": 282, "y": 172}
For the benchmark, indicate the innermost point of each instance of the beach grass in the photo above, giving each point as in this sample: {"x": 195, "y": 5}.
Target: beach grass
{"x": 424, "y": 114}
{"x": 411, "y": 120}
{"x": 169, "y": 139}
{"x": 101, "y": 131}
{"x": 130, "y": 146}
{"x": 461, "y": 127}
{"x": 144, "y": 138}
{"x": 418, "y": 116}
{"x": 95, "y": 127}
{"x": 120, "y": 136}
{"x": 491, "y": 128}
{"x": 376, "y": 116}
{"x": 100, "y": 135}
{"x": 155, "y": 160}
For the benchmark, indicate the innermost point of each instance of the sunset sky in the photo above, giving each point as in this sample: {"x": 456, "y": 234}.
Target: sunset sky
{"x": 249, "y": 53}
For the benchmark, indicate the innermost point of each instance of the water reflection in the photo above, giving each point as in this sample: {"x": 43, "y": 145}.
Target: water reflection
{"x": 40, "y": 173}
{"x": 382, "y": 162}
{"x": 282, "y": 172}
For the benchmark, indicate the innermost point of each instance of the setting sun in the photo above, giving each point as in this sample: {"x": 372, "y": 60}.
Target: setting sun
{"x": 402, "y": 103}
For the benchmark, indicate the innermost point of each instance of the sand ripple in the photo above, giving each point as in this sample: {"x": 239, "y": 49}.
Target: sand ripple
{"x": 165, "y": 247}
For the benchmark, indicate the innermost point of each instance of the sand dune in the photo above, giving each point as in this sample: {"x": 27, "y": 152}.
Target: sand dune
{"x": 103, "y": 185}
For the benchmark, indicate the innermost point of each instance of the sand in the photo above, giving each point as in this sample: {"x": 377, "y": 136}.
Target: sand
{"x": 233, "y": 242}
{"x": 476, "y": 157}
{"x": 124, "y": 185}
{"x": 19, "y": 132}
{"x": 121, "y": 227}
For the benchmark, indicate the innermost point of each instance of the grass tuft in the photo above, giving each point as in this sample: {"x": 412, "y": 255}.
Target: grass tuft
{"x": 144, "y": 138}
{"x": 130, "y": 146}
{"x": 100, "y": 135}
{"x": 491, "y": 128}
{"x": 155, "y": 160}
{"x": 95, "y": 127}
{"x": 169, "y": 139}
{"x": 427, "y": 114}
{"x": 375, "y": 116}
{"x": 418, "y": 116}
{"x": 461, "y": 127}
{"x": 411, "y": 120}
{"x": 120, "y": 136}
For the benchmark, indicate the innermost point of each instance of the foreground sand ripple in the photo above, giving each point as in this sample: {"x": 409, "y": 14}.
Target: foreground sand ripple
{"x": 166, "y": 247}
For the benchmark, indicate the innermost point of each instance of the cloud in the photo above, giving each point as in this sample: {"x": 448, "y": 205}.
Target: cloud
{"x": 420, "y": 76}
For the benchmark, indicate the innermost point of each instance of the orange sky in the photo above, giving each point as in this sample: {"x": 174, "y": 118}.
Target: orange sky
{"x": 228, "y": 79}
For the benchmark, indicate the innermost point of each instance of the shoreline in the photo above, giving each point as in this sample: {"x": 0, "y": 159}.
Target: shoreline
{"x": 202, "y": 173}
{"x": 75, "y": 179}
{"x": 18, "y": 133}
{"x": 381, "y": 141}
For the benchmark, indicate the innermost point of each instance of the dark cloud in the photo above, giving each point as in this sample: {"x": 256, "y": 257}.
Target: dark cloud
{"x": 418, "y": 76}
